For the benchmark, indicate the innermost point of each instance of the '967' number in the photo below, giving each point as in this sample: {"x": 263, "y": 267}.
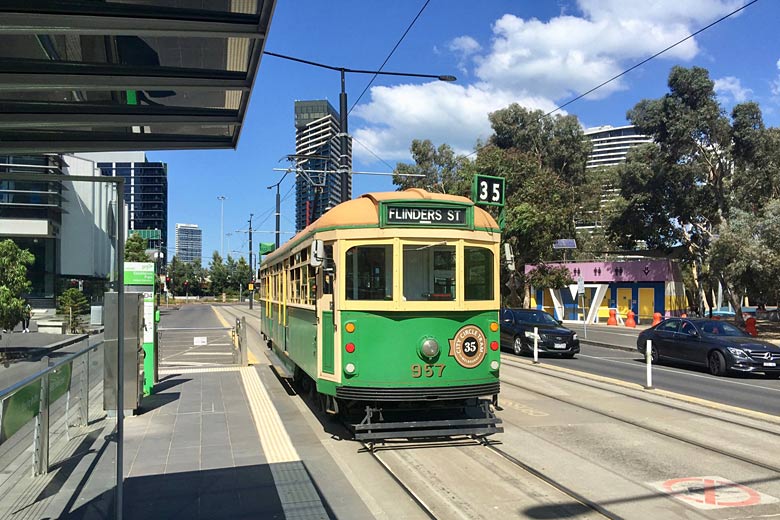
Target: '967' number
{"x": 428, "y": 370}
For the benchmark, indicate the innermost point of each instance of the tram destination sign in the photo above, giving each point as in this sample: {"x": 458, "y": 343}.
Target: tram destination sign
{"x": 424, "y": 215}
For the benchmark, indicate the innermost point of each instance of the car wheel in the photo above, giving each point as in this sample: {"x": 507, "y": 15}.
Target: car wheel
{"x": 717, "y": 363}
{"x": 518, "y": 346}
{"x": 655, "y": 357}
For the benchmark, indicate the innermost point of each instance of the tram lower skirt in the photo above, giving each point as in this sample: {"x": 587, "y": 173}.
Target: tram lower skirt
{"x": 476, "y": 419}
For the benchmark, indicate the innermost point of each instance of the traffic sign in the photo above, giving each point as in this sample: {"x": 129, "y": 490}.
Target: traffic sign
{"x": 488, "y": 190}
{"x": 580, "y": 285}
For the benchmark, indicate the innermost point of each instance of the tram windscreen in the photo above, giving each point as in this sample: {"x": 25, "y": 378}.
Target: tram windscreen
{"x": 429, "y": 272}
{"x": 369, "y": 273}
{"x": 478, "y": 283}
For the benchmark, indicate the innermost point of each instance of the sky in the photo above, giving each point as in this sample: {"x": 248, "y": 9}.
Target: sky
{"x": 539, "y": 54}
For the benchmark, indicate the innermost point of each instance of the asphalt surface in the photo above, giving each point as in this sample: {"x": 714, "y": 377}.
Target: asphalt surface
{"x": 620, "y": 360}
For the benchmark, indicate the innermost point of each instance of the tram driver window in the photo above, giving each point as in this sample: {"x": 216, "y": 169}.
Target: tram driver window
{"x": 429, "y": 272}
{"x": 478, "y": 284}
{"x": 369, "y": 273}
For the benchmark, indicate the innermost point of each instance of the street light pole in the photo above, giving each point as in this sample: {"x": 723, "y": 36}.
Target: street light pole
{"x": 278, "y": 206}
{"x": 344, "y": 166}
{"x": 344, "y": 158}
{"x": 221, "y": 199}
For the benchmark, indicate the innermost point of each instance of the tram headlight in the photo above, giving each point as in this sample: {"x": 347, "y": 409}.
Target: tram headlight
{"x": 350, "y": 368}
{"x": 494, "y": 365}
{"x": 430, "y": 348}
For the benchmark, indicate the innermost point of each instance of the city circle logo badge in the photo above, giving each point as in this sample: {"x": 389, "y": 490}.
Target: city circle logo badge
{"x": 468, "y": 347}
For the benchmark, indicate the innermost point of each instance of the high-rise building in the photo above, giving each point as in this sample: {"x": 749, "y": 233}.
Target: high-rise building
{"x": 189, "y": 242}
{"x": 318, "y": 185}
{"x": 146, "y": 192}
{"x": 68, "y": 226}
{"x": 611, "y": 144}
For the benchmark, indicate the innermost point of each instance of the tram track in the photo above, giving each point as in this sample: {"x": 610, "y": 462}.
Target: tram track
{"x": 685, "y": 409}
{"x": 636, "y": 424}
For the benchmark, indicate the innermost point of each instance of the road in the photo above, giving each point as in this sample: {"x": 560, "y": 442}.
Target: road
{"x": 750, "y": 391}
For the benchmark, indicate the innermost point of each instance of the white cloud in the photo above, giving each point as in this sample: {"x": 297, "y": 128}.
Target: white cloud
{"x": 534, "y": 63}
{"x": 776, "y": 83}
{"x": 731, "y": 88}
{"x": 465, "y": 45}
{"x": 442, "y": 112}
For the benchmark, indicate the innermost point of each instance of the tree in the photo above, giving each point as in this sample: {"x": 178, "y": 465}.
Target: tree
{"x": 72, "y": 304}
{"x": 543, "y": 160}
{"x": 684, "y": 188}
{"x": 13, "y": 282}
{"x": 545, "y": 276}
{"x": 441, "y": 168}
{"x": 135, "y": 249}
{"x": 219, "y": 275}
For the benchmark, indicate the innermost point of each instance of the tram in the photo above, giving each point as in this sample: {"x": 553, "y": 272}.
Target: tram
{"x": 386, "y": 309}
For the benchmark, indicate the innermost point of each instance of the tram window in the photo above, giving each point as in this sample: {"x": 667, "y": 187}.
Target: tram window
{"x": 429, "y": 272}
{"x": 369, "y": 273}
{"x": 479, "y": 273}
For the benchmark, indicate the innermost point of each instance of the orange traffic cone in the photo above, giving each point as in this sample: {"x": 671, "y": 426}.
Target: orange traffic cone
{"x": 750, "y": 326}
{"x": 656, "y": 318}
{"x": 630, "y": 320}
{"x": 612, "y": 320}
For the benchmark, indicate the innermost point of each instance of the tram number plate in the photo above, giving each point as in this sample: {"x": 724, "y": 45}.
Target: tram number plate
{"x": 427, "y": 370}
{"x": 560, "y": 345}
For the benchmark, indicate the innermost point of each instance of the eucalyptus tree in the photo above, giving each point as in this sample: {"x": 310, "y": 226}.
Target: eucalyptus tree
{"x": 684, "y": 188}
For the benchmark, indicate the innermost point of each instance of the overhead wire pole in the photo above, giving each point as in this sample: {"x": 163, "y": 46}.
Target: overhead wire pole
{"x": 251, "y": 265}
{"x": 344, "y": 172}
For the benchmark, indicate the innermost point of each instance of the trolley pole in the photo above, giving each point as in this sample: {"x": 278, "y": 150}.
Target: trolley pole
{"x": 251, "y": 265}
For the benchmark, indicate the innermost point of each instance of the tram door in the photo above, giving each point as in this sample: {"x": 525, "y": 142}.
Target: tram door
{"x": 326, "y": 280}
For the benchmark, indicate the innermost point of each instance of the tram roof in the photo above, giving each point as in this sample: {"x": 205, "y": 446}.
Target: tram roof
{"x": 364, "y": 212}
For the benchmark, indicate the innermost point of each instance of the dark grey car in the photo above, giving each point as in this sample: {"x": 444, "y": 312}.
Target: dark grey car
{"x": 717, "y": 345}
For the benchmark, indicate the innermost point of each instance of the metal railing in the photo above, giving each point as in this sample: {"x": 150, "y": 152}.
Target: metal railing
{"x": 55, "y": 382}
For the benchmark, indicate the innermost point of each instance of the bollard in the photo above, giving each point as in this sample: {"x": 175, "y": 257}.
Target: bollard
{"x": 649, "y": 358}
{"x": 536, "y": 345}
{"x": 612, "y": 320}
{"x": 750, "y": 326}
{"x": 630, "y": 322}
{"x": 656, "y": 319}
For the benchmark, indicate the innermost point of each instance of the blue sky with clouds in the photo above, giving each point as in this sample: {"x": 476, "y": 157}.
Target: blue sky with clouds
{"x": 538, "y": 54}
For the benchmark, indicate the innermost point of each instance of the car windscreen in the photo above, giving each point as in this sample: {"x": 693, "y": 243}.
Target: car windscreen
{"x": 539, "y": 317}
{"x": 721, "y": 328}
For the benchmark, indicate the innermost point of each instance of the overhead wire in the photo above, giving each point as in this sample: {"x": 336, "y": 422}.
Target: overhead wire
{"x": 635, "y": 66}
{"x": 390, "y": 55}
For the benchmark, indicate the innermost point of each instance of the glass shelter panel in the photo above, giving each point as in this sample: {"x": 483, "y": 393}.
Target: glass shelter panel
{"x": 429, "y": 272}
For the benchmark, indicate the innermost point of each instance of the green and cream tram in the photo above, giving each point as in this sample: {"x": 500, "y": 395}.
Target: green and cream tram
{"x": 389, "y": 303}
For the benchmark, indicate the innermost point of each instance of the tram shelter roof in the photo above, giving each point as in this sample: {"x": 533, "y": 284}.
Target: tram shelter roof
{"x": 112, "y": 75}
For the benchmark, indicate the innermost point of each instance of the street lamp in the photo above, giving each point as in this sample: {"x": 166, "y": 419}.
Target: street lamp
{"x": 343, "y": 131}
{"x": 221, "y": 199}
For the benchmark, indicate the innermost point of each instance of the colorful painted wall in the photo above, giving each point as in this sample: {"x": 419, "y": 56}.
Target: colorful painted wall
{"x": 643, "y": 286}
